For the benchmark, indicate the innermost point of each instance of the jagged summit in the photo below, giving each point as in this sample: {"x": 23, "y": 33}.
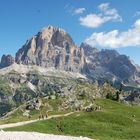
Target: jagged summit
{"x": 51, "y": 47}
{"x": 53, "y": 28}
{"x": 6, "y": 61}
{"x": 110, "y": 65}
{"x": 50, "y": 31}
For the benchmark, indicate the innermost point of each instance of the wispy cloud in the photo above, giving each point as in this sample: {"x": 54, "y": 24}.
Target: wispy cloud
{"x": 137, "y": 14}
{"x": 69, "y": 8}
{"x": 106, "y": 14}
{"x": 79, "y": 11}
{"x": 74, "y": 11}
{"x": 103, "y": 6}
{"x": 116, "y": 39}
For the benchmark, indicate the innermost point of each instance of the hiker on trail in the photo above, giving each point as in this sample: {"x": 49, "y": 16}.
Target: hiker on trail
{"x": 96, "y": 108}
{"x": 99, "y": 107}
{"x": 46, "y": 115}
{"x": 39, "y": 117}
{"x": 29, "y": 117}
{"x": 42, "y": 116}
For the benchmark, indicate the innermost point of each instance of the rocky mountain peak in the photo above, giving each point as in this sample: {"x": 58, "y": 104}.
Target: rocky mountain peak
{"x": 88, "y": 50}
{"x": 109, "y": 64}
{"x": 6, "y": 61}
{"x": 51, "y": 47}
{"x": 48, "y": 32}
{"x": 51, "y": 28}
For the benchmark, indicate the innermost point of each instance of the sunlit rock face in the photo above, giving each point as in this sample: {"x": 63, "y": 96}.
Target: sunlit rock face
{"x": 51, "y": 47}
{"x": 110, "y": 65}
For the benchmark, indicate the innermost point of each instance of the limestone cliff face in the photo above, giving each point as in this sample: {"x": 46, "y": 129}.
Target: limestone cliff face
{"x": 110, "y": 65}
{"x": 6, "y": 61}
{"x": 52, "y": 47}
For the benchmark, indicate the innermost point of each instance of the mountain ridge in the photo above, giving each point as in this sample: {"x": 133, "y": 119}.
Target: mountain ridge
{"x": 54, "y": 47}
{"x": 50, "y": 66}
{"x": 110, "y": 65}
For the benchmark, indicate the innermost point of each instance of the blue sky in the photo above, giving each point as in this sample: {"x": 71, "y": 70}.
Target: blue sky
{"x": 112, "y": 24}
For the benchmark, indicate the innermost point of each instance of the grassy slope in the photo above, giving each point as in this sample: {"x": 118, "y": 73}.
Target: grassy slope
{"x": 114, "y": 122}
{"x": 17, "y": 116}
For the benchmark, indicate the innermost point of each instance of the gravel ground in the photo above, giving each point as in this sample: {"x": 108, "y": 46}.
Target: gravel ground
{"x": 35, "y": 136}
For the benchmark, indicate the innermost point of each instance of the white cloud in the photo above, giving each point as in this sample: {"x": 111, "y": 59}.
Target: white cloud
{"x": 103, "y": 6}
{"x": 79, "y": 11}
{"x": 106, "y": 14}
{"x": 91, "y": 20}
{"x": 116, "y": 39}
{"x": 74, "y": 11}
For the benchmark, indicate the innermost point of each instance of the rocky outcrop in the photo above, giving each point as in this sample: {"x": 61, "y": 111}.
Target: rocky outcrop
{"x": 122, "y": 66}
{"x": 6, "y": 61}
{"x": 110, "y": 65}
{"x": 51, "y": 47}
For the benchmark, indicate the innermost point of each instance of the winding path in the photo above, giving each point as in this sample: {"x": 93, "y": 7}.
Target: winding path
{"x": 31, "y": 121}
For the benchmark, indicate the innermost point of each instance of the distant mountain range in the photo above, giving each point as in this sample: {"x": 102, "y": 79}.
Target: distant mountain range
{"x": 54, "y": 48}
{"x": 51, "y": 66}
{"x": 110, "y": 65}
